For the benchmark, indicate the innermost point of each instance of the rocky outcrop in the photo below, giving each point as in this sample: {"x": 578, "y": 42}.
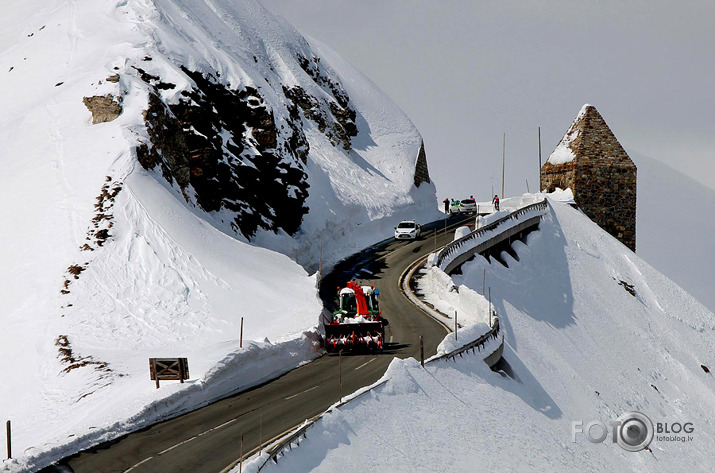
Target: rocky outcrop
{"x": 333, "y": 115}
{"x": 225, "y": 145}
{"x": 421, "y": 171}
{"x": 104, "y": 108}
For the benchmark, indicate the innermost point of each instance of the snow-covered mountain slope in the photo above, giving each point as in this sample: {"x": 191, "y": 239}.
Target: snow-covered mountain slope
{"x": 592, "y": 332}
{"x": 154, "y": 155}
{"x": 675, "y": 229}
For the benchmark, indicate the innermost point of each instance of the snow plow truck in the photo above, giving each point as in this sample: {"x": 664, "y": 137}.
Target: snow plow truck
{"x": 358, "y": 323}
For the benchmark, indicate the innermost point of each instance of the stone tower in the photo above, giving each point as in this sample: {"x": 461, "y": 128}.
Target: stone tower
{"x": 590, "y": 160}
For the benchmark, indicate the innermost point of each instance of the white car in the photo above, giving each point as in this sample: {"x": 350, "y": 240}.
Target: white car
{"x": 407, "y": 230}
{"x": 463, "y": 206}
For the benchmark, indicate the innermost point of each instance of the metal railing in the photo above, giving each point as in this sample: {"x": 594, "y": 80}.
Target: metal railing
{"x": 477, "y": 344}
{"x": 453, "y": 248}
{"x": 287, "y": 443}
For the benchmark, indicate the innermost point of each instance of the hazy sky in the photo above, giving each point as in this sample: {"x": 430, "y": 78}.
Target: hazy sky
{"x": 466, "y": 72}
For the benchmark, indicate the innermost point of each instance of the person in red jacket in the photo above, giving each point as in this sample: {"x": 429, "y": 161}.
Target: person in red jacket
{"x": 495, "y": 201}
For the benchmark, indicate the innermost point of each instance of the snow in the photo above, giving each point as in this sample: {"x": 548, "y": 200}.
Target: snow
{"x": 563, "y": 152}
{"x": 170, "y": 280}
{"x": 580, "y": 347}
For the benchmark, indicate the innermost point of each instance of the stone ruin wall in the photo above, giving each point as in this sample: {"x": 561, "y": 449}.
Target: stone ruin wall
{"x": 607, "y": 194}
{"x": 557, "y": 176}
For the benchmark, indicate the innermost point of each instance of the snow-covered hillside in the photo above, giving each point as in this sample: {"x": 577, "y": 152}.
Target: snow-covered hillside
{"x": 675, "y": 230}
{"x": 155, "y": 154}
{"x": 592, "y": 332}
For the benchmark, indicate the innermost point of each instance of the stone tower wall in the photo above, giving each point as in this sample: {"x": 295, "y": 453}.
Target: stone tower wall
{"x": 560, "y": 175}
{"x": 607, "y": 194}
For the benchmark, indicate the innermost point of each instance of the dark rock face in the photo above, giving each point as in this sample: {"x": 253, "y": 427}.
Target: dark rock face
{"x": 335, "y": 118}
{"x": 421, "y": 171}
{"x": 225, "y": 145}
{"x": 602, "y": 177}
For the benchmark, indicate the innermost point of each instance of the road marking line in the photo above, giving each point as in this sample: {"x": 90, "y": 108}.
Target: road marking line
{"x": 367, "y": 362}
{"x": 143, "y": 461}
{"x": 296, "y": 395}
{"x": 178, "y": 445}
{"x": 218, "y": 427}
{"x": 199, "y": 435}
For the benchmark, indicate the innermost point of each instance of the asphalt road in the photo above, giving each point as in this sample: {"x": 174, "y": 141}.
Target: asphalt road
{"x": 209, "y": 439}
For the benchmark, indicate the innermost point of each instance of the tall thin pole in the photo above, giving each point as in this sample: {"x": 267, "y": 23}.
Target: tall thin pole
{"x": 484, "y": 280}
{"x": 539, "y": 189}
{"x": 260, "y": 433}
{"x": 527, "y": 187}
{"x": 9, "y": 440}
{"x": 240, "y": 340}
{"x": 455, "y": 325}
{"x": 503, "y": 161}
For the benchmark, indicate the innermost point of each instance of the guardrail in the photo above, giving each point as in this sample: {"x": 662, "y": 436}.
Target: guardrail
{"x": 451, "y": 250}
{"x": 287, "y": 442}
{"x": 476, "y": 344}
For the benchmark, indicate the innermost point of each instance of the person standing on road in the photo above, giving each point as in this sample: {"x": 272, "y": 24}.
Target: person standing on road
{"x": 471, "y": 197}
{"x": 495, "y": 201}
{"x": 446, "y": 205}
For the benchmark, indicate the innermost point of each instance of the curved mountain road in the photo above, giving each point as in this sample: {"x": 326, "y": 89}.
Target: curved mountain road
{"x": 208, "y": 439}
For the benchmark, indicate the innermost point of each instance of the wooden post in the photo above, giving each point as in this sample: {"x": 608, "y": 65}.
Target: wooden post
{"x": 455, "y": 325}
{"x": 157, "y": 382}
{"x": 240, "y": 340}
{"x": 320, "y": 263}
{"x": 181, "y": 372}
{"x": 340, "y": 375}
{"x": 9, "y": 440}
{"x": 422, "y": 352}
{"x": 490, "y": 306}
{"x": 503, "y": 161}
{"x": 240, "y": 461}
